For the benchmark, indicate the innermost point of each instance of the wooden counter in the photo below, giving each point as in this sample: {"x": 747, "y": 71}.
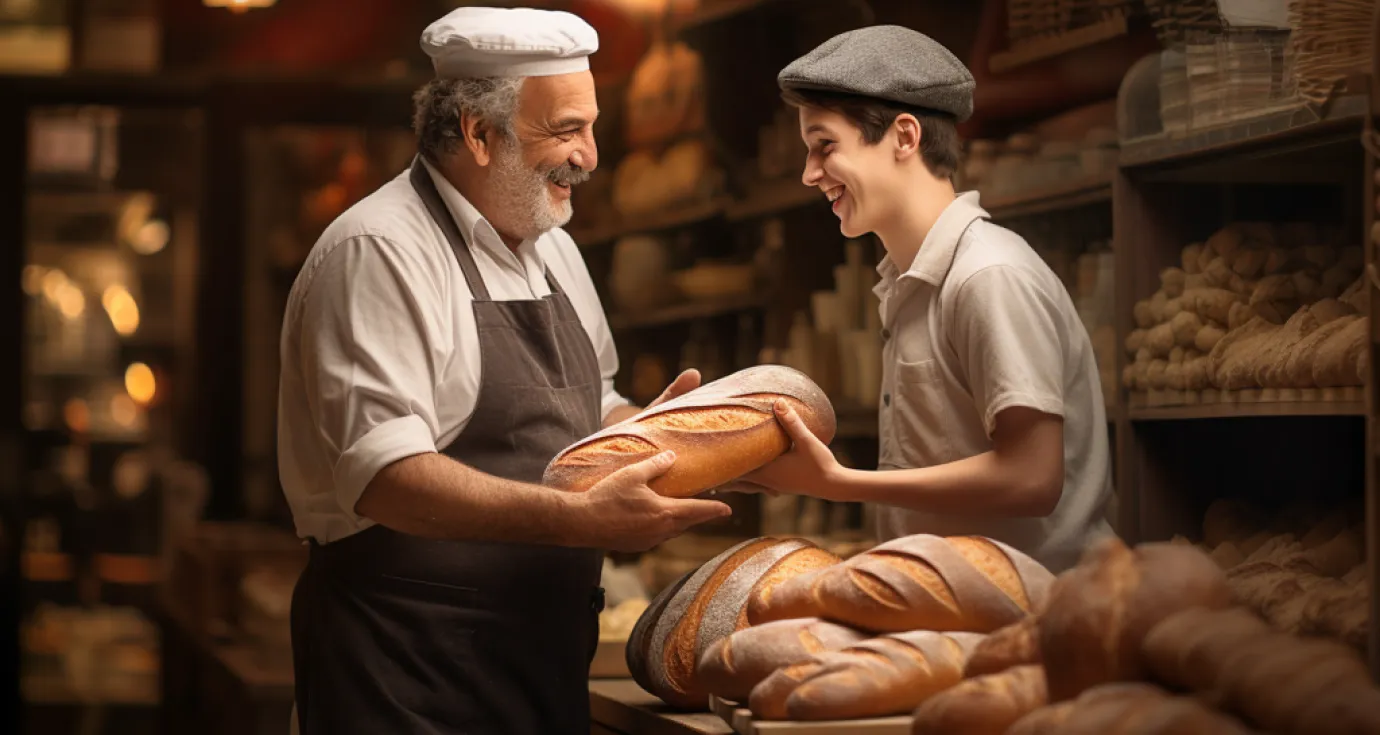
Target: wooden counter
{"x": 621, "y": 707}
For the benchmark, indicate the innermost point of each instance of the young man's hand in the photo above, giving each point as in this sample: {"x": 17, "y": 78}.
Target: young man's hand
{"x": 684, "y": 383}
{"x": 807, "y": 468}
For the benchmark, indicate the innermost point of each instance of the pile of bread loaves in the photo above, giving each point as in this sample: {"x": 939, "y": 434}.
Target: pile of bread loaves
{"x": 971, "y": 637}
{"x": 1255, "y": 306}
{"x": 1303, "y": 570}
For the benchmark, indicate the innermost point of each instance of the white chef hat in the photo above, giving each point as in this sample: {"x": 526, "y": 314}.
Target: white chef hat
{"x": 509, "y": 42}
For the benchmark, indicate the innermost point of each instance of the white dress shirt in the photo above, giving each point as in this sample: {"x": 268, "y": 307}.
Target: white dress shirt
{"x": 380, "y": 357}
{"x": 976, "y": 325}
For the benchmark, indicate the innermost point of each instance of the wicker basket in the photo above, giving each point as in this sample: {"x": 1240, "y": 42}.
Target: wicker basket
{"x": 1326, "y": 47}
{"x": 1028, "y": 20}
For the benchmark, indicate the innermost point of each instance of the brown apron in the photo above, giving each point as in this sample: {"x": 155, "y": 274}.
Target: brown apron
{"x": 398, "y": 634}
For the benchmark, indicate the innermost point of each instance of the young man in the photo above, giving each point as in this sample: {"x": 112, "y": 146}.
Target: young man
{"x": 991, "y": 419}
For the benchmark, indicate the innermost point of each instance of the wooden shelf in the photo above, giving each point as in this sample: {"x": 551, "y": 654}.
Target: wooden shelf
{"x": 651, "y": 222}
{"x": 1050, "y": 46}
{"x": 687, "y": 311}
{"x": 621, "y": 706}
{"x": 774, "y": 197}
{"x": 1171, "y": 405}
{"x": 1257, "y": 147}
{"x": 1071, "y": 194}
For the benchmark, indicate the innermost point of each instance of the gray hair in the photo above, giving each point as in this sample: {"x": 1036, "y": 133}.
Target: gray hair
{"x": 438, "y": 105}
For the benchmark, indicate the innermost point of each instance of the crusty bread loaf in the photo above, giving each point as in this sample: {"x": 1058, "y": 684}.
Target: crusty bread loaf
{"x": 733, "y": 665}
{"x": 1284, "y": 683}
{"x": 887, "y": 675}
{"x": 1014, "y": 645}
{"x": 985, "y": 705}
{"x": 1126, "y": 708}
{"x": 919, "y": 582}
{"x": 708, "y": 605}
{"x": 719, "y": 431}
{"x": 1100, "y": 611}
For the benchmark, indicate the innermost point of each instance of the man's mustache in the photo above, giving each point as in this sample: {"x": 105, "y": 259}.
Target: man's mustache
{"x": 567, "y": 174}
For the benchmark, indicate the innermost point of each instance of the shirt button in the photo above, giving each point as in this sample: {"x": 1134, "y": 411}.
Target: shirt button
{"x": 886, "y": 398}
{"x": 886, "y": 334}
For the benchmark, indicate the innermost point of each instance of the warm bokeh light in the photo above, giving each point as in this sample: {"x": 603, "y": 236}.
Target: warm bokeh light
{"x": 71, "y": 301}
{"x": 123, "y": 311}
{"x": 139, "y": 382}
{"x": 77, "y": 415}
{"x": 123, "y": 410}
{"x": 33, "y": 279}
{"x": 53, "y": 281}
{"x": 151, "y": 237}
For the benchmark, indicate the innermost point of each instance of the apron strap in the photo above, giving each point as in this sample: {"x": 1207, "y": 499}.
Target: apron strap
{"x": 426, "y": 189}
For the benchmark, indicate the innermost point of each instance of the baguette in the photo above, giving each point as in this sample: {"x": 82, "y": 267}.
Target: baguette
{"x": 735, "y": 664}
{"x": 1015, "y": 645}
{"x": 985, "y": 705}
{"x": 1283, "y": 683}
{"x": 719, "y": 431}
{"x": 708, "y": 604}
{"x": 888, "y": 675}
{"x": 918, "y": 582}
{"x": 1100, "y": 611}
{"x": 1126, "y": 708}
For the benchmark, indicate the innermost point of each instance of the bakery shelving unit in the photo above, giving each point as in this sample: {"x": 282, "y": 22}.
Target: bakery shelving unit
{"x": 1282, "y": 448}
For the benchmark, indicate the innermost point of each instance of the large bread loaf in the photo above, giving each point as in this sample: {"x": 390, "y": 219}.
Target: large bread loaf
{"x": 719, "y": 431}
{"x": 984, "y": 705}
{"x": 1015, "y": 645}
{"x": 887, "y": 675}
{"x": 708, "y": 604}
{"x": 1286, "y": 684}
{"x": 919, "y": 582}
{"x": 1127, "y": 709}
{"x": 1100, "y": 611}
{"x": 734, "y": 665}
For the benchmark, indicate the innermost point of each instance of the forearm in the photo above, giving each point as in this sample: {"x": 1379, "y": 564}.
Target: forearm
{"x": 985, "y": 484}
{"x": 434, "y": 496}
{"x": 621, "y": 413}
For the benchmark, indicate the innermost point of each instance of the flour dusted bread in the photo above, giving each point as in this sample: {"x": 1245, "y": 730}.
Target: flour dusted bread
{"x": 733, "y": 665}
{"x": 708, "y": 604}
{"x": 719, "y": 431}
{"x": 1285, "y": 684}
{"x": 985, "y": 705}
{"x": 918, "y": 582}
{"x": 1099, "y": 612}
{"x": 887, "y": 675}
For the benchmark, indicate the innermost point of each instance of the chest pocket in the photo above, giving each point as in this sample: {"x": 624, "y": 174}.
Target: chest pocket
{"x": 924, "y": 414}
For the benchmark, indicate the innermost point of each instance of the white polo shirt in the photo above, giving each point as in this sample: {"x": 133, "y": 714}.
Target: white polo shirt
{"x": 380, "y": 357}
{"x": 978, "y": 324}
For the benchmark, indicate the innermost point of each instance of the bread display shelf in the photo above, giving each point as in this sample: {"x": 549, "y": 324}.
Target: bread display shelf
{"x": 1210, "y": 404}
{"x": 607, "y": 232}
{"x": 687, "y": 311}
{"x": 743, "y": 723}
{"x": 773, "y": 197}
{"x": 1068, "y": 195}
{"x": 620, "y": 705}
{"x": 1240, "y": 142}
{"x": 610, "y": 661}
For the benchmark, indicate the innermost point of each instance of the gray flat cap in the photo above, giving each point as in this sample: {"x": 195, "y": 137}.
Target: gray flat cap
{"x": 887, "y": 62}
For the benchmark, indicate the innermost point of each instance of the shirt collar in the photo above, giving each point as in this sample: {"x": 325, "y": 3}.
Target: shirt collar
{"x": 936, "y": 254}
{"x": 476, "y": 227}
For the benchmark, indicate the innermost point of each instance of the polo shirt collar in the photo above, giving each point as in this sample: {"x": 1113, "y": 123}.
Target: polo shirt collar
{"x": 936, "y": 254}
{"x": 476, "y": 227}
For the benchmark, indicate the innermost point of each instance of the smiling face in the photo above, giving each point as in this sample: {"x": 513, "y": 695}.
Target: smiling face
{"x": 860, "y": 179}
{"x": 551, "y": 149}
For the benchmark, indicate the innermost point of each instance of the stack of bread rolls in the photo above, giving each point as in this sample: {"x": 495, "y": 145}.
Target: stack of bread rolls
{"x": 1257, "y": 306}
{"x": 1302, "y": 570}
{"x": 1151, "y": 640}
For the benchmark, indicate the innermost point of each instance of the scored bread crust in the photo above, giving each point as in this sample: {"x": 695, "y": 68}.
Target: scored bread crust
{"x": 1015, "y": 645}
{"x": 1125, "y": 708}
{"x": 732, "y": 666}
{"x": 917, "y": 582}
{"x": 719, "y": 431}
{"x": 886, "y": 675}
{"x": 637, "y": 652}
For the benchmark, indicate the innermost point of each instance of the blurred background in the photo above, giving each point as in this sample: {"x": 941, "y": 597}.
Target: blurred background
{"x": 166, "y": 165}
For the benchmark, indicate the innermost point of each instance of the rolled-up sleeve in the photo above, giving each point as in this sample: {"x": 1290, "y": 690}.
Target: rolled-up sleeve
{"x": 371, "y": 329}
{"x": 1008, "y": 333}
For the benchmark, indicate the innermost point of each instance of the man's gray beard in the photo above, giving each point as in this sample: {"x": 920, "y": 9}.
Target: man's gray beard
{"x": 522, "y": 193}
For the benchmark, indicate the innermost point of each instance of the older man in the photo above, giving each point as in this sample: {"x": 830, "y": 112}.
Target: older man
{"x": 442, "y": 343}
